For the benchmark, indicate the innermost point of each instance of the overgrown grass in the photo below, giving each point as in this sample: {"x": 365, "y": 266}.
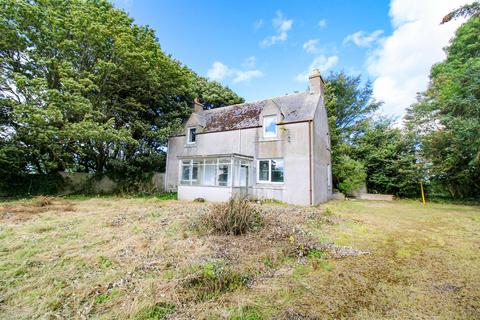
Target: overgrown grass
{"x": 139, "y": 258}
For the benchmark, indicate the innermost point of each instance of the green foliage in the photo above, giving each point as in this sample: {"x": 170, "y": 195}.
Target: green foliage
{"x": 213, "y": 280}
{"x": 390, "y": 159}
{"x": 350, "y": 173}
{"x": 446, "y": 118}
{"x": 471, "y": 9}
{"x": 85, "y": 89}
{"x": 156, "y": 312}
{"x": 348, "y": 105}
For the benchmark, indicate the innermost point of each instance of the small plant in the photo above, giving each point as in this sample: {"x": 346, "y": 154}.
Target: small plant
{"x": 43, "y": 201}
{"x": 156, "y": 312}
{"x": 235, "y": 217}
{"x": 199, "y": 200}
{"x": 212, "y": 280}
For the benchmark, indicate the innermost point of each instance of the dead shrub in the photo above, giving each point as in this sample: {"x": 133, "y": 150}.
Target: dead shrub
{"x": 235, "y": 217}
{"x": 43, "y": 201}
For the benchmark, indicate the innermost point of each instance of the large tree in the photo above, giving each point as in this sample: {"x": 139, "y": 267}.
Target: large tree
{"x": 446, "y": 117}
{"x": 83, "y": 88}
{"x": 349, "y": 104}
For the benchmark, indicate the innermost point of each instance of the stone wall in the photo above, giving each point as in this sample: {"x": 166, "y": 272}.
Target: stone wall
{"x": 86, "y": 182}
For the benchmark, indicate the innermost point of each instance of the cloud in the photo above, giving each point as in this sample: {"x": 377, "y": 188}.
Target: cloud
{"x": 322, "y": 23}
{"x": 282, "y": 25}
{"x": 218, "y": 71}
{"x": 363, "y": 39}
{"x": 401, "y": 63}
{"x": 258, "y": 24}
{"x": 310, "y": 46}
{"x": 221, "y": 72}
{"x": 322, "y": 63}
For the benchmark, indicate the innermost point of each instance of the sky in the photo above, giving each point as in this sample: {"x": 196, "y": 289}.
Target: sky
{"x": 262, "y": 49}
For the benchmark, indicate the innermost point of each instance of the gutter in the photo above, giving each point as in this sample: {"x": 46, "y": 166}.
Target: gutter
{"x": 310, "y": 160}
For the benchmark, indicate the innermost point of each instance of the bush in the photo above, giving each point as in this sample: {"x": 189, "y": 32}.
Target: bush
{"x": 212, "y": 280}
{"x": 235, "y": 217}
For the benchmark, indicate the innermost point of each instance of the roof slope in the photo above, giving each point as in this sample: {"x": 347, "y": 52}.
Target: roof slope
{"x": 294, "y": 107}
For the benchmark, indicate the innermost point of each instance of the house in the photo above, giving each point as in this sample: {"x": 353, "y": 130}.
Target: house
{"x": 278, "y": 148}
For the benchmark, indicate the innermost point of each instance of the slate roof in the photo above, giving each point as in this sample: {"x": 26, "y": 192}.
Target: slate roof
{"x": 294, "y": 107}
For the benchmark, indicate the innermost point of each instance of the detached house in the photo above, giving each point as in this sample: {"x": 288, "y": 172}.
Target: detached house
{"x": 278, "y": 148}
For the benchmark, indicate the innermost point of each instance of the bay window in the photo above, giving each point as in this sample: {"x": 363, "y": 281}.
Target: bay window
{"x": 206, "y": 172}
{"x": 270, "y": 171}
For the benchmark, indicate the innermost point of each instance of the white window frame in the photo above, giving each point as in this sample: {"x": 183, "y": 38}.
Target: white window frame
{"x": 270, "y": 171}
{"x": 267, "y": 134}
{"x": 189, "y": 135}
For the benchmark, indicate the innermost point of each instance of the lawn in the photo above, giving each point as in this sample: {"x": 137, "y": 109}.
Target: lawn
{"x": 150, "y": 258}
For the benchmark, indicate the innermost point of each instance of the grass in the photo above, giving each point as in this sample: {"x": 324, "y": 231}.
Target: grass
{"x": 144, "y": 258}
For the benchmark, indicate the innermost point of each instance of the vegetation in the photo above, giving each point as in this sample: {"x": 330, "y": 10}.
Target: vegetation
{"x": 116, "y": 258}
{"x": 446, "y": 119}
{"x": 85, "y": 89}
{"x": 235, "y": 217}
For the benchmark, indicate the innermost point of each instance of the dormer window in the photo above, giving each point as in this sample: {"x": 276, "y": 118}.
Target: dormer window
{"x": 270, "y": 126}
{"x": 192, "y": 135}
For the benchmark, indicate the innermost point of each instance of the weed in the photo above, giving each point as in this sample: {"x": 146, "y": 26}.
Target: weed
{"x": 246, "y": 313}
{"x": 43, "y": 201}
{"x": 235, "y": 217}
{"x": 104, "y": 262}
{"x": 213, "y": 280}
{"x": 199, "y": 200}
{"x": 167, "y": 196}
{"x": 156, "y": 312}
{"x": 101, "y": 298}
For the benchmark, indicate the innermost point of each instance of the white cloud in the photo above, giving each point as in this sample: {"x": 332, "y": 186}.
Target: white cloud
{"x": 221, "y": 72}
{"x": 322, "y": 23}
{"x": 363, "y": 39}
{"x": 322, "y": 63}
{"x": 258, "y": 24}
{"x": 401, "y": 63}
{"x": 245, "y": 76}
{"x": 282, "y": 25}
{"x": 310, "y": 46}
{"x": 218, "y": 71}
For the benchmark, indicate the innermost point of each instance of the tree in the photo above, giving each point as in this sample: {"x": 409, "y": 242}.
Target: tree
{"x": 446, "y": 117}
{"x": 349, "y": 105}
{"x": 390, "y": 159}
{"x": 83, "y": 88}
{"x": 468, "y": 10}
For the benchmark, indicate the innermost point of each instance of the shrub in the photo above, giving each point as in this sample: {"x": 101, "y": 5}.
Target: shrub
{"x": 199, "y": 200}
{"x": 235, "y": 217}
{"x": 212, "y": 280}
{"x": 43, "y": 201}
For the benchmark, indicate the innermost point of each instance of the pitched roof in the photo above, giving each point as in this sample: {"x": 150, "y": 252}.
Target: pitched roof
{"x": 294, "y": 107}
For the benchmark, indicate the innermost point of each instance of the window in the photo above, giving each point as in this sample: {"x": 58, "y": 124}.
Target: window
{"x": 192, "y": 135}
{"x": 270, "y": 126}
{"x": 208, "y": 172}
{"x": 271, "y": 170}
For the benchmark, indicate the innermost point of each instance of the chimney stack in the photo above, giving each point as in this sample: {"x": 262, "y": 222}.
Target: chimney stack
{"x": 198, "y": 107}
{"x": 316, "y": 82}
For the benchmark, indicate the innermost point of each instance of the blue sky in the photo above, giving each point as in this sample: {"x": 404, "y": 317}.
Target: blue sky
{"x": 266, "y": 48}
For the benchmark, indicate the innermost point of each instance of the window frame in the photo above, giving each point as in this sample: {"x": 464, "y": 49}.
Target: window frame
{"x": 269, "y": 181}
{"x": 189, "y": 135}
{"x": 265, "y": 133}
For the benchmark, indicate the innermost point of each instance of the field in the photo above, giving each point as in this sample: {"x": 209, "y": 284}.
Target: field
{"x": 148, "y": 258}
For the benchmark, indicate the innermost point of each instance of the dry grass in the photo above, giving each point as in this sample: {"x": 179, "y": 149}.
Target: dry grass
{"x": 144, "y": 259}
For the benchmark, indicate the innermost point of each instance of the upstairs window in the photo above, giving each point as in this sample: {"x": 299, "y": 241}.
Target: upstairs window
{"x": 192, "y": 135}
{"x": 270, "y": 126}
